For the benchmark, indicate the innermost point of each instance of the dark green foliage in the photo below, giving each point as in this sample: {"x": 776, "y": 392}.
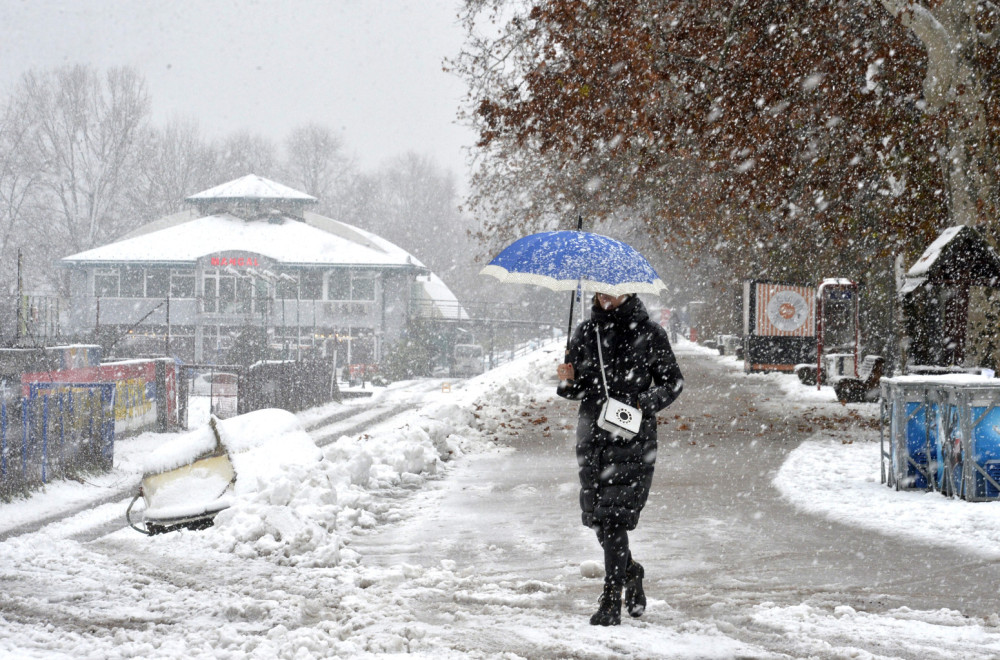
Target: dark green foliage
{"x": 249, "y": 346}
{"x": 418, "y": 350}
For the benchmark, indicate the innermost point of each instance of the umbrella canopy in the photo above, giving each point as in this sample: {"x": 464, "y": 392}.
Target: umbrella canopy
{"x": 560, "y": 260}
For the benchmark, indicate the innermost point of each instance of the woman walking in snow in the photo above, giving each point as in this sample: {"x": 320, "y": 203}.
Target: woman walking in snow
{"x": 615, "y": 474}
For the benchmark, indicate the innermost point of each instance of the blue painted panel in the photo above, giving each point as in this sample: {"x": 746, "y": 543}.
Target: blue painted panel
{"x": 986, "y": 449}
{"x": 921, "y": 444}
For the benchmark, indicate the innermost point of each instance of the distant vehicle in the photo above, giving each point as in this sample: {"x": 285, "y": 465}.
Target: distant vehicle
{"x": 222, "y": 387}
{"x": 468, "y": 360}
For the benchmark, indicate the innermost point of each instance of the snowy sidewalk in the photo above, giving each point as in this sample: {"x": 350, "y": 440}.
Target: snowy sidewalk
{"x": 453, "y": 532}
{"x": 494, "y": 561}
{"x": 489, "y": 562}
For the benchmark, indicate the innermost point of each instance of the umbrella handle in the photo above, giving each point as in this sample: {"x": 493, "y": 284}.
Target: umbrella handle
{"x": 569, "y": 330}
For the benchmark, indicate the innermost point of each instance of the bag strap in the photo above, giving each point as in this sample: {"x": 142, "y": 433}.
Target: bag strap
{"x": 600, "y": 358}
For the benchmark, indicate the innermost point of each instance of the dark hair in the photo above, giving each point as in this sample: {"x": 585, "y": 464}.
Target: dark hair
{"x": 594, "y": 299}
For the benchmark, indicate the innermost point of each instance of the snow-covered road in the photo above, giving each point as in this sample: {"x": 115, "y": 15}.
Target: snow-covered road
{"x": 756, "y": 544}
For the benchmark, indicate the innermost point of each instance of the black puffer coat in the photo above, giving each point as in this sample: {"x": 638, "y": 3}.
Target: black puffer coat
{"x": 615, "y": 474}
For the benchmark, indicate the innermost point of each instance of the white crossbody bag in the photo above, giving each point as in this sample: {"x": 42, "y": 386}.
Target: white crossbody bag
{"x": 616, "y": 417}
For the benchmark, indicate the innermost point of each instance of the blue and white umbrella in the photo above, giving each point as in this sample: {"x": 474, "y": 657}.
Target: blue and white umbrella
{"x": 563, "y": 260}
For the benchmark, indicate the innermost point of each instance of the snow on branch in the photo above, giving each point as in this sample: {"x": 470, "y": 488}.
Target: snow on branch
{"x": 990, "y": 38}
{"x": 941, "y": 48}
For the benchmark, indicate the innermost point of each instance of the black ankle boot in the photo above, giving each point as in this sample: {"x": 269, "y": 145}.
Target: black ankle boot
{"x": 635, "y": 597}
{"x": 609, "y": 611}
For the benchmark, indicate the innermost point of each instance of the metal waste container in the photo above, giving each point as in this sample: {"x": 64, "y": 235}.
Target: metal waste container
{"x": 943, "y": 433}
{"x": 909, "y": 437}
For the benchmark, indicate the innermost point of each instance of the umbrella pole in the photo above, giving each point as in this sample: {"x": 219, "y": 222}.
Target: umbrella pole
{"x": 572, "y": 297}
{"x": 569, "y": 331}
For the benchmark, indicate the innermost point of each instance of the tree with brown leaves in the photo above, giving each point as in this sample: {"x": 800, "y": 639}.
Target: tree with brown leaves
{"x": 774, "y": 139}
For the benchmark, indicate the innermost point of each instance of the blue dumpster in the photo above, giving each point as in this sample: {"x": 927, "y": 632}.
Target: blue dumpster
{"x": 943, "y": 434}
{"x": 913, "y": 457}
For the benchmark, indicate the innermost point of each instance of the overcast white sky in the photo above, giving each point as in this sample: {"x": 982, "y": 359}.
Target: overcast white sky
{"x": 369, "y": 68}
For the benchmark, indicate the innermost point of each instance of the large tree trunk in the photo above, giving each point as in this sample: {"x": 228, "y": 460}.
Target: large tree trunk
{"x": 953, "y": 85}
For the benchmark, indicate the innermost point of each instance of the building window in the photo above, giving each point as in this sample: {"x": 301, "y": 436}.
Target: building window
{"x": 211, "y": 292}
{"x": 157, "y": 283}
{"x": 312, "y": 285}
{"x": 246, "y": 290}
{"x": 137, "y": 282}
{"x": 182, "y": 284}
{"x": 339, "y": 285}
{"x": 131, "y": 282}
{"x": 220, "y": 292}
{"x": 261, "y": 291}
{"x": 227, "y": 294}
{"x": 287, "y": 288}
{"x": 106, "y": 283}
{"x": 363, "y": 288}
{"x": 344, "y": 285}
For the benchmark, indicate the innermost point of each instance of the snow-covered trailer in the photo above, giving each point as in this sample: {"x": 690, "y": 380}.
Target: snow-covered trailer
{"x": 194, "y": 476}
{"x": 779, "y": 325}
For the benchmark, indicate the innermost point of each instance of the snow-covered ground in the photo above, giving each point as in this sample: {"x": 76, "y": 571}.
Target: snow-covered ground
{"x": 283, "y": 574}
{"x": 851, "y": 491}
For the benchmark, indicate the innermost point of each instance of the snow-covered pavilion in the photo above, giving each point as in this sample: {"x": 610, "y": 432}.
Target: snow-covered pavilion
{"x": 249, "y": 253}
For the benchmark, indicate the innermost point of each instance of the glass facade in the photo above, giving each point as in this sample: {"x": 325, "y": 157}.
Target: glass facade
{"x": 302, "y": 311}
{"x": 106, "y": 283}
{"x": 140, "y": 282}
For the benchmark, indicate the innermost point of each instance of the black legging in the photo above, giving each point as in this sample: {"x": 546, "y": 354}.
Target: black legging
{"x": 614, "y": 539}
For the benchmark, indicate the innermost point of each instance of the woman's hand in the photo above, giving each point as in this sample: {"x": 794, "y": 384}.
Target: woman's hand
{"x": 565, "y": 371}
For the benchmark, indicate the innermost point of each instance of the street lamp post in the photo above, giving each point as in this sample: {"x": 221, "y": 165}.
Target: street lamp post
{"x": 284, "y": 330}
{"x": 168, "y": 326}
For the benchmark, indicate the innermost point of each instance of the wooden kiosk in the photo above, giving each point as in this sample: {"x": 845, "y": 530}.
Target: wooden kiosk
{"x": 935, "y": 298}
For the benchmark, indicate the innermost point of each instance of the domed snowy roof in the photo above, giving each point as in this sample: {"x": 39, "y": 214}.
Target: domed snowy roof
{"x": 251, "y": 188}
